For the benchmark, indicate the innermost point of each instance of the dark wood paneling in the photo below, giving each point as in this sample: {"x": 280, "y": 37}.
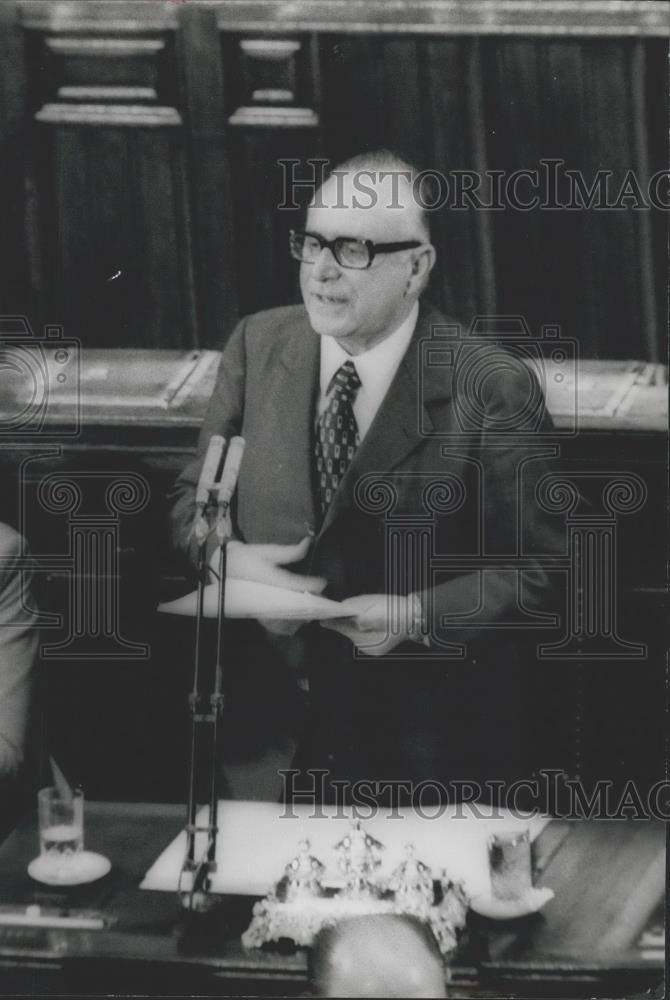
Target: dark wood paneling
{"x": 484, "y": 17}
{"x": 114, "y": 235}
{"x": 267, "y": 276}
{"x": 14, "y": 286}
{"x": 642, "y": 165}
{"x": 210, "y": 194}
{"x": 591, "y": 271}
{"x": 112, "y": 244}
{"x": 354, "y": 104}
{"x": 157, "y": 131}
{"x": 614, "y": 261}
{"x": 454, "y": 281}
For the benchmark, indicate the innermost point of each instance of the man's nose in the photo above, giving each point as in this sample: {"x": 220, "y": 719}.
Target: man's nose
{"x": 325, "y": 266}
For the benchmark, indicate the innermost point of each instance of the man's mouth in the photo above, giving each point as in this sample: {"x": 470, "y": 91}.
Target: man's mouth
{"x": 329, "y": 300}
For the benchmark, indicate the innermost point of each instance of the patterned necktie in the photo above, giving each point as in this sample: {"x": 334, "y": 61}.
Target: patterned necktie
{"x": 336, "y": 434}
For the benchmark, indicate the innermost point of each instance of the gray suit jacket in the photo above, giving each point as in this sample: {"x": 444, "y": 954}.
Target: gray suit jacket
{"x": 461, "y": 466}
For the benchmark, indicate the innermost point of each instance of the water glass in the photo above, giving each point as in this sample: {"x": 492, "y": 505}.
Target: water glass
{"x": 61, "y": 824}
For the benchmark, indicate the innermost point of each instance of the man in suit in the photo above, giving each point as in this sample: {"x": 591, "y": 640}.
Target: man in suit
{"x": 345, "y": 472}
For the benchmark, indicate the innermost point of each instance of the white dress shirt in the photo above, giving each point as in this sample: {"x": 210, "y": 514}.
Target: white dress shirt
{"x": 376, "y": 370}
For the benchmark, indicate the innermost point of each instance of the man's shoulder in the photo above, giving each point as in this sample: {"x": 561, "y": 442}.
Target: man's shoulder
{"x": 262, "y": 338}
{"x": 478, "y": 371}
{"x": 280, "y": 323}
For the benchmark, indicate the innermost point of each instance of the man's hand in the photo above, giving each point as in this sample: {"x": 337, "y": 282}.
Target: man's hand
{"x": 378, "y": 623}
{"x": 263, "y": 564}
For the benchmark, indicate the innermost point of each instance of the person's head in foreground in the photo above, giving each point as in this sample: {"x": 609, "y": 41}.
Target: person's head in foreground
{"x": 381, "y": 955}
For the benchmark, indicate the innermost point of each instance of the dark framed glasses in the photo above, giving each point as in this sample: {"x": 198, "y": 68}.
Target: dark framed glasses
{"x": 347, "y": 251}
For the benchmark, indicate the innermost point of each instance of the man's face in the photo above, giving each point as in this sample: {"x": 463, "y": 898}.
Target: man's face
{"x": 359, "y": 307}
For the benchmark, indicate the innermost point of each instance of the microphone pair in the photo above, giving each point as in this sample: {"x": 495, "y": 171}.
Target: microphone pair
{"x": 217, "y": 481}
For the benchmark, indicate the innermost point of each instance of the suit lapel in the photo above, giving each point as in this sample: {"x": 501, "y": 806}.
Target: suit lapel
{"x": 403, "y": 419}
{"x": 291, "y": 401}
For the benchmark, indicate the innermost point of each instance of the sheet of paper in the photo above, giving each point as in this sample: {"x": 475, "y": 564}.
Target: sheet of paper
{"x": 246, "y": 599}
{"x": 256, "y": 841}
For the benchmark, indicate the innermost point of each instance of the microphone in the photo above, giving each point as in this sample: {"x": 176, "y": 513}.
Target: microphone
{"x": 209, "y": 469}
{"x": 229, "y": 476}
{"x": 231, "y": 471}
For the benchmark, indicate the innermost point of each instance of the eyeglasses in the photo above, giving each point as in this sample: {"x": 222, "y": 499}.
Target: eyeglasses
{"x": 347, "y": 251}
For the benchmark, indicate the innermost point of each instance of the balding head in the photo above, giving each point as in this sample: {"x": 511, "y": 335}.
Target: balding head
{"x": 381, "y": 955}
{"x": 369, "y": 199}
{"x": 380, "y": 176}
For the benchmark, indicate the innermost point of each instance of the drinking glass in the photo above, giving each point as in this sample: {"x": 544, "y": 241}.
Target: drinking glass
{"x": 61, "y": 824}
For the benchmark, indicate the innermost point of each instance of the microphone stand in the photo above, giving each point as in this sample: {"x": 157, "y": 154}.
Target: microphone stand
{"x": 223, "y": 534}
{"x": 197, "y": 897}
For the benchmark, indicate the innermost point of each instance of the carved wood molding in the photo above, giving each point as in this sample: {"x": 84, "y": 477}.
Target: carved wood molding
{"x": 110, "y": 115}
{"x": 270, "y": 48}
{"x": 450, "y": 17}
{"x": 96, "y": 93}
{"x": 614, "y": 18}
{"x": 119, "y": 48}
{"x": 123, "y": 16}
{"x": 280, "y": 117}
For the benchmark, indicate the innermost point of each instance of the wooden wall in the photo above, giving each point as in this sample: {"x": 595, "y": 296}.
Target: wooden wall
{"x": 140, "y": 180}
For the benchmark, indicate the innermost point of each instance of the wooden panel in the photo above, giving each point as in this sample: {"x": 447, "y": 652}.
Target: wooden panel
{"x": 570, "y": 102}
{"x": 486, "y": 291}
{"x": 14, "y": 291}
{"x": 128, "y": 16}
{"x": 273, "y": 78}
{"x": 257, "y": 145}
{"x": 510, "y": 17}
{"x": 356, "y": 112}
{"x": 640, "y": 141}
{"x": 103, "y": 61}
{"x": 455, "y": 126}
{"x": 615, "y": 286}
{"x": 199, "y": 238}
{"x": 109, "y": 175}
{"x": 115, "y": 235}
{"x": 210, "y": 196}
{"x": 267, "y": 275}
{"x": 539, "y": 17}
{"x": 656, "y": 87}
{"x": 75, "y": 74}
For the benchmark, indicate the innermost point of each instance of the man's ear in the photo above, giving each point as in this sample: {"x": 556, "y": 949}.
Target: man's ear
{"x": 422, "y": 265}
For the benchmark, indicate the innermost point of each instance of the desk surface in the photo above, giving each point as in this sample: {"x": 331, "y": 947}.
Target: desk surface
{"x": 170, "y": 389}
{"x": 608, "y": 878}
